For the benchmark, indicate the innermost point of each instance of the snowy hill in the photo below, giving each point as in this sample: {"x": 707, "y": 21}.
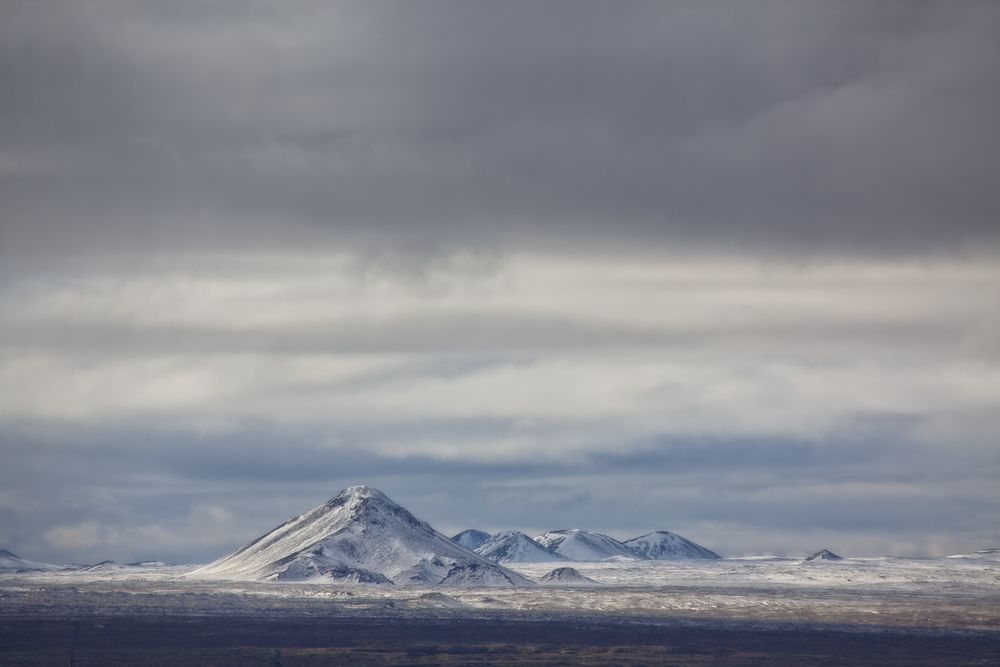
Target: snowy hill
{"x": 566, "y": 576}
{"x": 982, "y": 554}
{"x": 103, "y": 566}
{"x": 824, "y": 554}
{"x": 11, "y": 562}
{"x": 663, "y": 545}
{"x": 583, "y": 545}
{"x": 360, "y": 536}
{"x": 471, "y": 539}
{"x": 515, "y": 547}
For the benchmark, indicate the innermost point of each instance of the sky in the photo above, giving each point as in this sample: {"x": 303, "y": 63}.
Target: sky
{"x": 728, "y": 269}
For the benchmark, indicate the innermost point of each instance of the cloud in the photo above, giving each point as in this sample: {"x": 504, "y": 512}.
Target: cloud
{"x": 81, "y": 536}
{"x": 774, "y": 127}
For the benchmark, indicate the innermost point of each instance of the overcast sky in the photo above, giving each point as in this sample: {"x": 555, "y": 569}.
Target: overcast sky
{"x": 729, "y": 269}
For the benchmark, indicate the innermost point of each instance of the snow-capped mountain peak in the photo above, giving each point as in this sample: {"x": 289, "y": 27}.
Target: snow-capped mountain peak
{"x": 360, "y": 536}
{"x": 664, "y": 545}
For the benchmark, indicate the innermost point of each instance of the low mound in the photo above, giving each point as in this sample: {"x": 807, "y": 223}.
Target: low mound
{"x": 566, "y": 576}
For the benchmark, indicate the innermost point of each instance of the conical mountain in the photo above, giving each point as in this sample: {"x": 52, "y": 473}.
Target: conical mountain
{"x": 360, "y": 536}
{"x": 584, "y": 545}
{"x": 512, "y": 546}
{"x": 824, "y": 554}
{"x": 664, "y": 545}
{"x": 566, "y": 576}
{"x": 471, "y": 539}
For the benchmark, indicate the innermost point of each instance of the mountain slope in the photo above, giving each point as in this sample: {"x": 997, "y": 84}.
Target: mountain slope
{"x": 664, "y": 545}
{"x": 584, "y": 545}
{"x": 360, "y": 536}
{"x": 515, "y": 547}
{"x": 11, "y": 562}
{"x": 471, "y": 539}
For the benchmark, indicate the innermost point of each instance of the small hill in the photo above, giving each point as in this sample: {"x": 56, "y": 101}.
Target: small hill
{"x": 566, "y": 576}
{"x": 515, "y": 547}
{"x": 585, "y": 545}
{"x": 471, "y": 539}
{"x": 824, "y": 554}
{"x": 664, "y": 545}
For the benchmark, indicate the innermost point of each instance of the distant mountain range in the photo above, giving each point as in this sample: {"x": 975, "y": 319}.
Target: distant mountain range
{"x": 361, "y": 536}
{"x": 575, "y": 544}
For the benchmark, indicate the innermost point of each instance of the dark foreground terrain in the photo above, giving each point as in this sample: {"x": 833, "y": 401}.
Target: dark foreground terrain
{"x": 463, "y": 640}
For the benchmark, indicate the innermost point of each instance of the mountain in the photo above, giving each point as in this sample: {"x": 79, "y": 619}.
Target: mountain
{"x": 515, "y": 547}
{"x": 577, "y": 544}
{"x": 566, "y": 576}
{"x": 360, "y": 536}
{"x": 824, "y": 554}
{"x": 11, "y": 562}
{"x": 664, "y": 545}
{"x": 471, "y": 539}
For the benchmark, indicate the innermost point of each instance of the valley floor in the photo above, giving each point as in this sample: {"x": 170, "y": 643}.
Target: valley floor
{"x": 736, "y": 611}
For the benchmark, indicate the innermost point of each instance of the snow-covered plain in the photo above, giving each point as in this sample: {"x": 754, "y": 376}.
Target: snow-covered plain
{"x": 931, "y": 593}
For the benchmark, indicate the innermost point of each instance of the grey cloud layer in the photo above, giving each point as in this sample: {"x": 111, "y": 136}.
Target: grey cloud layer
{"x": 857, "y": 127}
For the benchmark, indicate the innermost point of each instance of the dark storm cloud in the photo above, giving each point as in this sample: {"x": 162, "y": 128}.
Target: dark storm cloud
{"x": 840, "y": 127}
